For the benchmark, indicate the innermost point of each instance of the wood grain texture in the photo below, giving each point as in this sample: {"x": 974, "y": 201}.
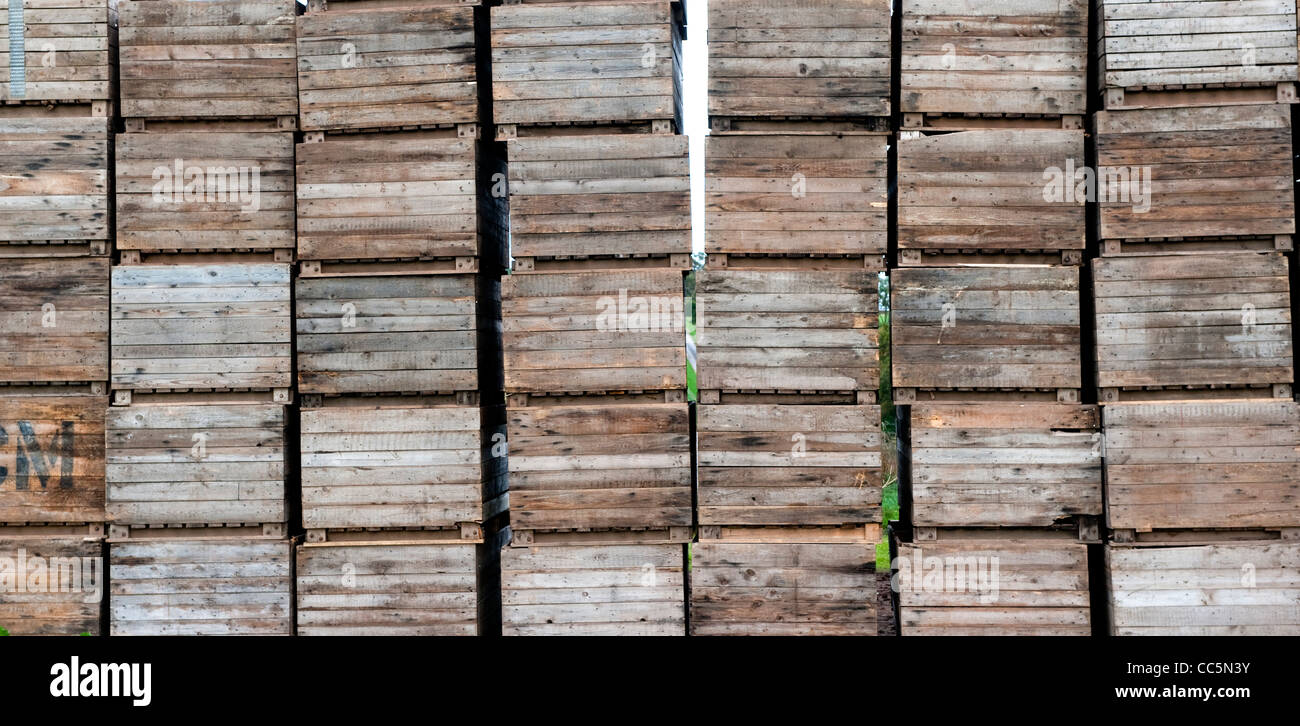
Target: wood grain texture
{"x": 1228, "y": 589}
{"x": 220, "y": 59}
{"x": 788, "y": 330}
{"x": 213, "y": 326}
{"x": 993, "y": 588}
{"x": 73, "y": 609}
{"x": 591, "y": 332}
{"x": 593, "y": 590}
{"x": 387, "y": 67}
{"x": 196, "y": 464}
{"x": 819, "y": 59}
{"x": 623, "y": 466}
{"x": 988, "y": 327}
{"x": 391, "y": 334}
{"x": 783, "y": 589}
{"x": 395, "y": 466}
{"x": 1004, "y": 464}
{"x": 1203, "y": 465}
{"x": 391, "y": 197}
{"x": 967, "y": 56}
{"x": 1193, "y": 320}
{"x": 625, "y": 194}
{"x": 796, "y": 194}
{"x": 389, "y": 590}
{"x": 788, "y": 464}
{"x": 54, "y": 323}
{"x": 66, "y": 50}
{"x": 52, "y": 459}
{"x": 1209, "y": 42}
{"x": 988, "y": 190}
{"x": 54, "y": 179}
{"x": 587, "y": 62}
{"x": 1210, "y": 171}
{"x": 231, "y": 586}
{"x": 205, "y": 191}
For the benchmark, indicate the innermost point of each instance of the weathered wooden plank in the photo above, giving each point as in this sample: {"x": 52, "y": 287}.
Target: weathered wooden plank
{"x": 960, "y": 57}
{"x": 228, "y": 58}
{"x": 993, "y": 587}
{"x": 54, "y": 322}
{"x": 60, "y": 52}
{"x": 54, "y": 181}
{"x": 52, "y": 459}
{"x": 593, "y": 590}
{"x": 232, "y": 586}
{"x": 53, "y": 585}
{"x": 825, "y": 59}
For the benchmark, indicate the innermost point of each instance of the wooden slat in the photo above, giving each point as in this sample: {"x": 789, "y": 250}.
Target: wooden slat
{"x": 821, "y": 59}
{"x": 75, "y": 576}
{"x": 54, "y": 180}
{"x": 1230, "y": 464}
{"x": 228, "y": 58}
{"x": 789, "y": 464}
{"x": 1193, "y": 320}
{"x": 232, "y": 586}
{"x": 1004, "y": 464}
{"x": 1228, "y": 589}
{"x": 54, "y": 320}
{"x": 965, "y": 56}
{"x": 623, "y": 466}
{"x": 196, "y": 464}
{"x": 52, "y": 459}
{"x": 593, "y": 590}
{"x": 988, "y": 327}
{"x": 67, "y": 52}
{"x": 993, "y": 588}
{"x": 796, "y": 194}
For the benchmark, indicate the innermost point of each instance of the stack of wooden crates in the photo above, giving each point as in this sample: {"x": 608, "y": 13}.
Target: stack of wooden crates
{"x": 57, "y": 68}
{"x": 586, "y": 97}
{"x": 1194, "y": 339}
{"x": 789, "y": 439}
{"x": 197, "y": 437}
{"x": 1000, "y": 462}
{"x": 397, "y": 323}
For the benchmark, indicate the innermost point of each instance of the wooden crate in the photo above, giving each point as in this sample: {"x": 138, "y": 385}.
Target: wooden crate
{"x": 54, "y": 321}
{"x": 1227, "y": 589}
{"x": 205, "y": 190}
{"x": 787, "y": 330}
{"x": 1207, "y": 174}
{"x": 196, "y": 464}
{"x": 986, "y": 327}
{"x": 54, "y": 185}
{"x": 1192, "y": 465}
{"x": 224, "y": 586}
{"x": 391, "y": 589}
{"x": 387, "y": 67}
{"x": 993, "y": 587}
{"x": 619, "y": 466}
{"x": 788, "y": 465}
{"x": 71, "y": 585}
{"x": 390, "y": 465}
{"x": 58, "y": 50}
{"x": 783, "y": 589}
{"x": 988, "y": 192}
{"x": 796, "y": 195}
{"x": 1004, "y": 464}
{"x": 597, "y": 196}
{"x": 591, "y": 332}
{"x": 593, "y": 590}
{"x": 409, "y": 198}
{"x": 52, "y": 459}
{"x": 216, "y": 59}
{"x": 964, "y": 57}
{"x": 1192, "y": 320}
{"x": 586, "y": 62}
{"x": 202, "y": 326}
{"x": 818, "y": 59}
{"x": 393, "y": 334}
{"x": 1163, "y": 46}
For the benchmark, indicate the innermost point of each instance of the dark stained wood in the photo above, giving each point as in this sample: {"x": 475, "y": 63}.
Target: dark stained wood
{"x": 72, "y": 609}
{"x": 54, "y": 322}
